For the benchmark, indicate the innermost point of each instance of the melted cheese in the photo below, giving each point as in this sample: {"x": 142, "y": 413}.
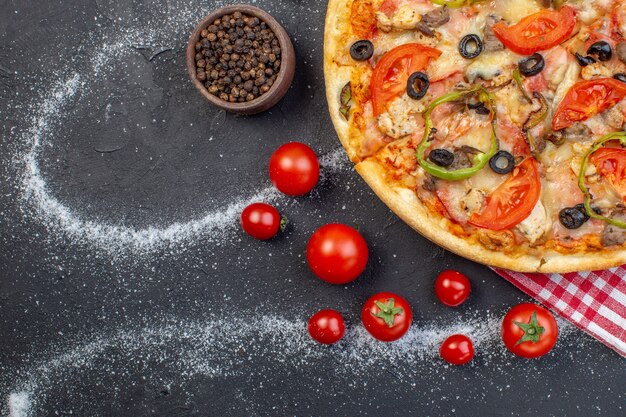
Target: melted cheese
{"x": 515, "y": 10}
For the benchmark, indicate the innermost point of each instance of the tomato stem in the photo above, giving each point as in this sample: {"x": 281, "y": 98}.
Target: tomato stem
{"x": 387, "y": 312}
{"x": 284, "y": 222}
{"x": 532, "y": 330}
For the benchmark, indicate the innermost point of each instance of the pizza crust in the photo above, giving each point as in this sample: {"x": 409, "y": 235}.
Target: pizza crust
{"x": 337, "y": 76}
{"x": 404, "y": 201}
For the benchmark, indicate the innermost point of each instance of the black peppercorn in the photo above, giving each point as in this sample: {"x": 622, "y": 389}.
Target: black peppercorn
{"x": 238, "y": 57}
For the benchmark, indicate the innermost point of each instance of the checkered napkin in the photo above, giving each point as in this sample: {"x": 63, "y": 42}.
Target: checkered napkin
{"x": 593, "y": 301}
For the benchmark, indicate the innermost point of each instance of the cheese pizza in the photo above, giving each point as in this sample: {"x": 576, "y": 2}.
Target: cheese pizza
{"x": 494, "y": 128}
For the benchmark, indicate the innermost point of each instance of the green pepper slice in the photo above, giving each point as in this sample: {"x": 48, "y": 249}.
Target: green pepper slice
{"x": 621, "y": 137}
{"x": 479, "y": 160}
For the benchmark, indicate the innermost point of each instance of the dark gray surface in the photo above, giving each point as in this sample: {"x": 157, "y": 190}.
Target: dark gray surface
{"x": 59, "y": 294}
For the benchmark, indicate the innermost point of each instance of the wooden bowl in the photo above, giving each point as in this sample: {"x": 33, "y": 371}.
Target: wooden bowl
{"x": 285, "y": 75}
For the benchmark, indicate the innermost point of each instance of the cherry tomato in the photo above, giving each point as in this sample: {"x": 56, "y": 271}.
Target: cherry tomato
{"x": 394, "y": 69}
{"x": 457, "y": 349}
{"x": 512, "y": 201}
{"x": 529, "y": 330}
{"x": 586, "y": 99}
{"x": 386, "y": 316}
{"x": 337, "y": 253}
{"x": 261, "y": 221}
{"x": 537, "y": 32}
{"x": 611, "y": 164}
{"x": 327, "y": 327}
{"x": 452, "y": 288}
{"x": 294, "y": 169}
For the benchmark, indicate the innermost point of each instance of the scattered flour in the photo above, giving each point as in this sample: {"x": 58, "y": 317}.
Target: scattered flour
{"x": 19, "y": 404}
{"x": 111, "y": 238}
{"x": 215, "y": 348}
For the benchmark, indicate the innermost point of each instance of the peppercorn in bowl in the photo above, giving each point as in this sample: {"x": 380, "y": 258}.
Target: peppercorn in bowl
{"x": 241, "y": 59}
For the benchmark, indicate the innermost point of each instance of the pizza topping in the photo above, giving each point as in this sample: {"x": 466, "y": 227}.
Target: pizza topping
{"x": 436, "y": 18}
{"x": 480, "y": 159}
{"x": 611, "y": 163}
{"x": 532, "y": 65}
{"x": 403, "y": 18}
{"x": 471, "y": 46}
{"x": 586, "y": 99}
{"x": 512, "y": 201}
{"x": 441, "y": 157}
{"x": 614, "y": 235}
{"x": 344, "y": 99}
{"x": 621, "y": 51}
{"x": 502, "y": 162}
{"x": 602, "y": 50}
{"x": 479, "y": 107}
{"x": 489, "y": 67}
{"x": 362, "y": 50}
{"x": 573, "y": 217}
{"x": 393, "y": 70}
{"x": 537, "y": 32}
{"x": 362, "y": 18}
{"x": 474, "y": 201}
{"x": 620, "y": 77}
{"x": 596, "y": 70}
{"x": 401, "y": 118}
{"x": 583, "y": 61}
{"x": 417, "y": 85}
{"x": 536, "y": 225}
{"x": 455, "y": 3}
{"x": 491, "y": 41}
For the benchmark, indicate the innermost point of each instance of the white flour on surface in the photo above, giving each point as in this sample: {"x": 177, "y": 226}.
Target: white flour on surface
{"x": 117, "y": 239}
{"x": 213, "y": 349}
{"x": 19, "y": 404}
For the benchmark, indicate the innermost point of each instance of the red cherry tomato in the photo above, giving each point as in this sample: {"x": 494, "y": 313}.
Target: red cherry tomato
{"x": 452, "y": 288}
{"x": 386, "y": 316}
{"x": 529, "y": 330}
{"x": 261, "y": 221}
{"x": 537, "y": 32}
{"x": 337, "y": 253}
{"x": 327, "y": 327}
{"x": 294, "y": 169}
{"x": 457, "y": 349}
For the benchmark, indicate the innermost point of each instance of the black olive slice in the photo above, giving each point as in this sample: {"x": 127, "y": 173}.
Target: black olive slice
{"x": 532, "y": 65}
{"x": 362, "y": 50}
{"x": 572, "y": 217}
{"x": 417, "y": 85}
{"x": 470, "y": 46}
{"x": 620, "y": 77}
{"x": 602, "y": 50}
{"x": 441, "y": 157}
{"x": 583, "y": 61}
{"x": 502, "y": 162}
{"x": 479, "y": 107}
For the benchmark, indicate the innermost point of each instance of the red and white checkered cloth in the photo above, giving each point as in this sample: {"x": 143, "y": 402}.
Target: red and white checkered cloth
{"x": 593, "y": 301}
